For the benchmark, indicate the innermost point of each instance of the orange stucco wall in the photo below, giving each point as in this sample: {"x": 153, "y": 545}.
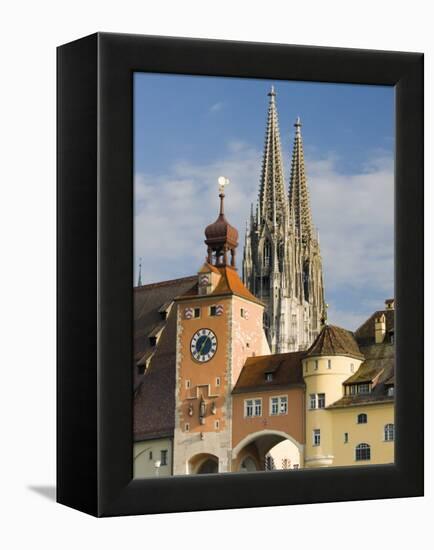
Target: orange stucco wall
{"x": 203, "y": 376}
{"x": 291, "y": 423}
{"x": 237, "y": 338}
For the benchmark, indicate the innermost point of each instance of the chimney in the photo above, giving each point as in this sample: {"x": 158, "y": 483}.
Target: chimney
{"x": 380, "y": 328}
{"x": 390, "y": 303}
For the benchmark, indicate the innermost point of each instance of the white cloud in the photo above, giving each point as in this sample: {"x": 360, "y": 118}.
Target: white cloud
{"x": 353, "y": 212}
{"x": 216, "y": 107}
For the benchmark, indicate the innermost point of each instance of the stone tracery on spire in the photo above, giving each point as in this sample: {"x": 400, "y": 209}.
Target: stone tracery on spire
{"x": 272, "y": 201}
{"x": 299, "y": 203}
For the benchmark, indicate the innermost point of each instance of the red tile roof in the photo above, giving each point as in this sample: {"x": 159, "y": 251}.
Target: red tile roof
{"x": 286, "y": 369}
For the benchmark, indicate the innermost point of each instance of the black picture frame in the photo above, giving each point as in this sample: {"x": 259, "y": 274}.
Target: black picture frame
{"x": 95, "y": 273}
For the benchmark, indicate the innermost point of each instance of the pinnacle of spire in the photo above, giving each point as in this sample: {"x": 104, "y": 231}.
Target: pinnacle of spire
{"x": 299, "y": 203}
{"x": 272, "y": 202}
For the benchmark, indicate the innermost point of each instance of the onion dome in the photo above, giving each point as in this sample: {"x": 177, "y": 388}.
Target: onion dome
{"x": 221, "y": 238}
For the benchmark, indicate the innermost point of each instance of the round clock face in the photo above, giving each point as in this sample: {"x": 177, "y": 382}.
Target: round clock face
{"x": 203, "y": 345}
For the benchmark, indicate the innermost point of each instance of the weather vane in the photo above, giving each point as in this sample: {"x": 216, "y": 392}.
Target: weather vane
{"x": 223, "y": 181}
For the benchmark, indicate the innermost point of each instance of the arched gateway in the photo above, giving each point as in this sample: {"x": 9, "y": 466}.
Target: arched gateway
{"x": 251, "y": 452}
{"x": 203, "y": 463}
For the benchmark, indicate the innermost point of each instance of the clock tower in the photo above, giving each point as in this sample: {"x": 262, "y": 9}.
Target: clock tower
{"x": 219, "y": 325}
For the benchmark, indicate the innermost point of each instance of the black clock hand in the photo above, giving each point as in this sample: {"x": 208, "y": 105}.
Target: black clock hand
{"x": 202, "y": 346}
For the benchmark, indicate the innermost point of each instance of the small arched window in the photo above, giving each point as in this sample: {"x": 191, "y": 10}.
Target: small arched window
{"x": 362, "y": 418}
{"x": 363, "y": 451}
{"x": 389, "y": 432}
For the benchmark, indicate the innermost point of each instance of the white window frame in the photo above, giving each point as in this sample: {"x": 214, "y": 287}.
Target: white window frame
{"x": 253, "y": 403}
{"x": 389, "y": 432}
{"x": 194, "y": 313}
{"x": 283, "y": 403}
{"x": 187, "y": 384}
{"x": 316, "y": 437}
{"x": 312, "y": 401}
{"x": 248, "y": 406}
{"x": 275, "y": 405}
{"x": 321, "y": 400}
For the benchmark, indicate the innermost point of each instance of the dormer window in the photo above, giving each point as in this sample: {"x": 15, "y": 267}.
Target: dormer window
{"x": 363, "y": 388}
{"x": 391, "y": 391}
{"x": 268, "y": 376}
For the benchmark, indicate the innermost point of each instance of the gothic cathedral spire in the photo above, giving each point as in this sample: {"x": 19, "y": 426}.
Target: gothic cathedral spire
{"x": 282, "y": 262}
{"x": 272, "y": 203}
{"x": 299, "y": 206}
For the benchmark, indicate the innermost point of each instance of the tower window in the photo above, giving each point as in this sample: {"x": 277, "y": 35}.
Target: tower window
{"x": 316, "y": 438}
{"x": 321, "y": 400}
{"x": 217, "y": 381}
{"x": 313, "y": 400}
{"x": 352, "y": 367}
{"x": 243, "y": 313}
{"x": 187, "y": 384}
{"x": 150, "y": 455}
{"x": 329, "y": 363}
{"x": 213, "y": 311}
{"x": 316, "y": 364}
{"x": 187, "y": 427}
{"x": 217, "y": 424}
{"x": 346, "y": 437}
{"x": 196, "y": 312}
{"x": 362, "y": 418}
{"x": 363, "y": 452}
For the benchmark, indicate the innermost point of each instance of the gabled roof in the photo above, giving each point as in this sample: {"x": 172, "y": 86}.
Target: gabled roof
{"x": 286, "y": 369}
{"x": 334, "y": 340}
{"x": 154, "y": 395}
{"x": 229, "y": 284}
{"x": 365, "y": 334}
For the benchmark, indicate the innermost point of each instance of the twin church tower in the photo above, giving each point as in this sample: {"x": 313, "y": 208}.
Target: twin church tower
{"x": 282, "y": 262}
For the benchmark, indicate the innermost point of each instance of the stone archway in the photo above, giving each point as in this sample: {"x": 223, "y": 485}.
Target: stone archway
{"x": 203, "y": 463}
{"x": 257, "y": 445}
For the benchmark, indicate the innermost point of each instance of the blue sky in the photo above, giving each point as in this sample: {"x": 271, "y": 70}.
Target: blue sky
{"x": 189, "y": 130}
